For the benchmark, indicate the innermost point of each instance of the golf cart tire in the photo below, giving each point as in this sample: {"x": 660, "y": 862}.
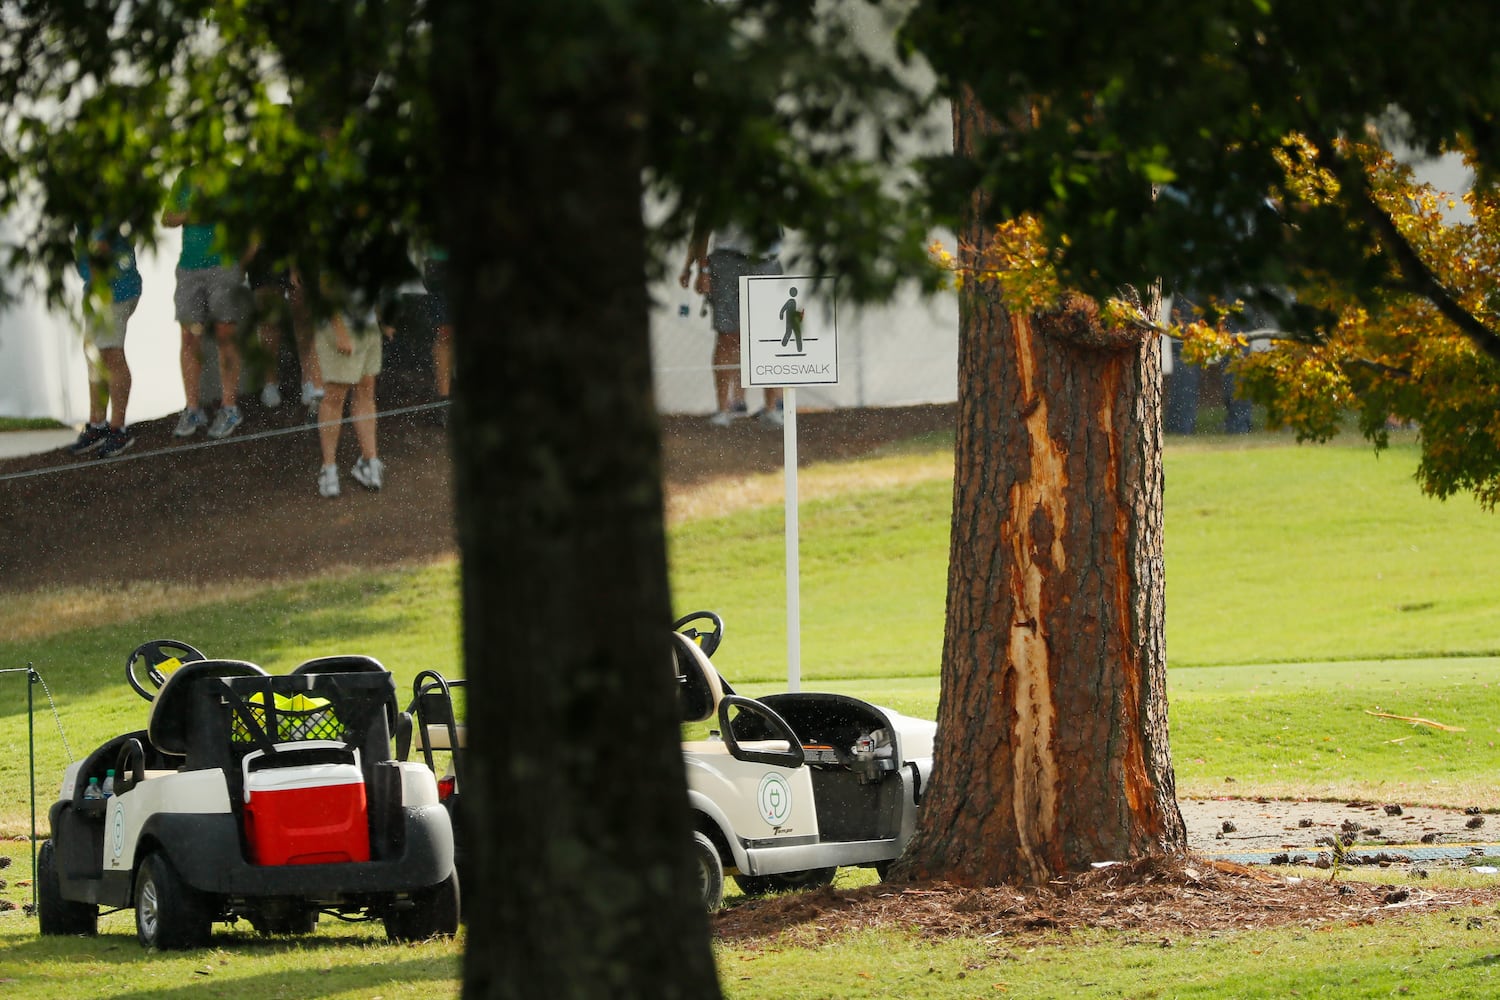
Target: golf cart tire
{"x": 433, "y": 913}
{"x": 170, "y": 915}
{"x": 710, "y": 871}
{"x": 56, "y": 915}
{"x": 763, "y": 885}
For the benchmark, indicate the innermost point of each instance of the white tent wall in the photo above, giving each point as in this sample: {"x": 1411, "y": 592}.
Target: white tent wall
{"x": 901, "y": 353}
{"x": 42, "y": 367}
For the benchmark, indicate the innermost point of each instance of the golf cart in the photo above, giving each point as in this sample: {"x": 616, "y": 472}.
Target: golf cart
{"x": 790, "y": 787}
{"x": 273, "y": 798}
{"x": 431, "y": 725}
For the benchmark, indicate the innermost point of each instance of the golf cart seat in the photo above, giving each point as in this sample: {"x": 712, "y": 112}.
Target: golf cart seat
{"x": 704, "y": 697}
{"x": 344, "y": 663}
{"x": 431, "y": 722}
{"x": 700, "y": 694}
{"x": 133, "y": 762}
{"x": 170, "y": 724}
{"x": 699, "y": 687}
{"x": 437, "y": 738}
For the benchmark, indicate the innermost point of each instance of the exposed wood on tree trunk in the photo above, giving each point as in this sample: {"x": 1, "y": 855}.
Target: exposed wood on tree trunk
{"x": 1053, "y": 747}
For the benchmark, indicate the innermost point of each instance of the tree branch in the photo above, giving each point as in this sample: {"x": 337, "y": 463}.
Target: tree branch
{"x": 1380, "y": 368}
{"x": 1419, "y": 278}
{"x": 1422, "y": 281}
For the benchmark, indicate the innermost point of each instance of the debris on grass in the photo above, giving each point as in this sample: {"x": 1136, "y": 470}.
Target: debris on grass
{"x": 1159, "y": 897}
{"x": 1417, "y": 720}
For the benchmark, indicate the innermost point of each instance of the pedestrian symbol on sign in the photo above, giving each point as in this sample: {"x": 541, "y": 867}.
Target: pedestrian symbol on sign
{"x": 793, "y": 317}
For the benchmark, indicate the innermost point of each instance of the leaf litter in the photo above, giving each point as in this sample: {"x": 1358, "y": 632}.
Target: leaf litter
{"x": 1156, "y": 897}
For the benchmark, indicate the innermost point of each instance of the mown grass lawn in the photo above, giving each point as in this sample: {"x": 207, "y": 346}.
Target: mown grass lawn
{"x": 1307, "y": 590}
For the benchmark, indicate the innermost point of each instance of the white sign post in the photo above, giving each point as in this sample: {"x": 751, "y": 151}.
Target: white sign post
{"x": 785, "y": 343}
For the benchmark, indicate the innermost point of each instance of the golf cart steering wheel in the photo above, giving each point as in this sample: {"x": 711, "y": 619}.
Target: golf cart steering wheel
{"x": 151, "y": 655}
{"x": 708, "y": 641}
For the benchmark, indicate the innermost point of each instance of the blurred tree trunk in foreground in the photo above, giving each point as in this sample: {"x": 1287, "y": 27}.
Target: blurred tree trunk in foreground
{"x": 576, "y": 801}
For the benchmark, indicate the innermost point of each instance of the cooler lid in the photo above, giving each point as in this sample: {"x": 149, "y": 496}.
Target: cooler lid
{"x": 274, "y": 779}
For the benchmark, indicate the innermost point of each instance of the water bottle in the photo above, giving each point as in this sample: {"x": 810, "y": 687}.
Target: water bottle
{"x": 93, "y": 791}
{"x": 109, "y": 783}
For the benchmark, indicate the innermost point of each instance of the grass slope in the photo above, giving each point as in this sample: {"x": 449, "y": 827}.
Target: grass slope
{"x": 1324, "y": 570}
{"x": 1276, "y": 554}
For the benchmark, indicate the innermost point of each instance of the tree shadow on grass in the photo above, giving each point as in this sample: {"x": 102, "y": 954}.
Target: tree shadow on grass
{"x": 356, "y": 613}
{"x": 318, "y": 965}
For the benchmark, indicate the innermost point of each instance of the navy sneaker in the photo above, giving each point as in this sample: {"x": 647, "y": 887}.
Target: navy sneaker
{"x": 89, "y": 439}
{"x": 116, "y": 442}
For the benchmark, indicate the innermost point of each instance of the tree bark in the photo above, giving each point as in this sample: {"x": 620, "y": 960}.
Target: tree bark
{"x": 1052, "y": 724}
{"x": 575, "y": 806}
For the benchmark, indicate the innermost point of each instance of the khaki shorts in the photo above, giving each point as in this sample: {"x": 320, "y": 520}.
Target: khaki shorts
{"x": 348, "y": 369}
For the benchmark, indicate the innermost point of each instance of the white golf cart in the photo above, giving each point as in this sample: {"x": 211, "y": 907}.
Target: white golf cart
{"x": 273, "y": 798}
{"x": 787, "y": 789}
{"x": 790, "y": 787}
{"x": 431, "y": 726}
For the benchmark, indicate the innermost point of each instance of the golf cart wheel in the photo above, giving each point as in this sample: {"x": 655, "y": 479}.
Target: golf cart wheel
{"x": 761, "y": 885}
{"x": 56, "y": 914}
{"x": 169, "y": 914}
{"x": 710, "y": 871}
{"x": 433, "y": 913}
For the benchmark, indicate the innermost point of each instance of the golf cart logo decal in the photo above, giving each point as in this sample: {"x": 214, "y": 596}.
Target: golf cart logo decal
{"x": 775, "y": 799}
{"x": 118, "y": 830}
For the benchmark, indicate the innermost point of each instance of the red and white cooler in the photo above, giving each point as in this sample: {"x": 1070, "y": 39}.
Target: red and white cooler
{"x": 305, "y": 814}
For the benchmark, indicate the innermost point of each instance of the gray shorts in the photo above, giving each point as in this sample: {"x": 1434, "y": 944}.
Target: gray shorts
{"x": 725, "y": 268}
{"x": 105, "y": 328}
{"x": 211, "y": 295}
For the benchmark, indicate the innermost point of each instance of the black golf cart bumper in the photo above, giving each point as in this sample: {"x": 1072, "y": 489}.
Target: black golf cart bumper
{"x": 206, "y": 851}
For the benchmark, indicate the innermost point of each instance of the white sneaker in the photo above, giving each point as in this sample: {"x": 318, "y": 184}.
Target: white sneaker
{"x": 726, "y": 417}
{"x": 270, "y": 395}
{"x": 771, "y": 416}
{"x": 190, "y": 423}
{"x": 225, "y": 421}
{"x": 369, "y": 473}
{"x": 328, "y": 481}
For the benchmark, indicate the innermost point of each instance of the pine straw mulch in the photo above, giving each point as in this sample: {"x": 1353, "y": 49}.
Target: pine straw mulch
{"x": 1154, "y": 897}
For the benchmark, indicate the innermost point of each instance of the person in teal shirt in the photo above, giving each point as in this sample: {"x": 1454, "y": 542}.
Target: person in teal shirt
{"x": 111, "y": 253}
{"x": 211, "y": 292}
